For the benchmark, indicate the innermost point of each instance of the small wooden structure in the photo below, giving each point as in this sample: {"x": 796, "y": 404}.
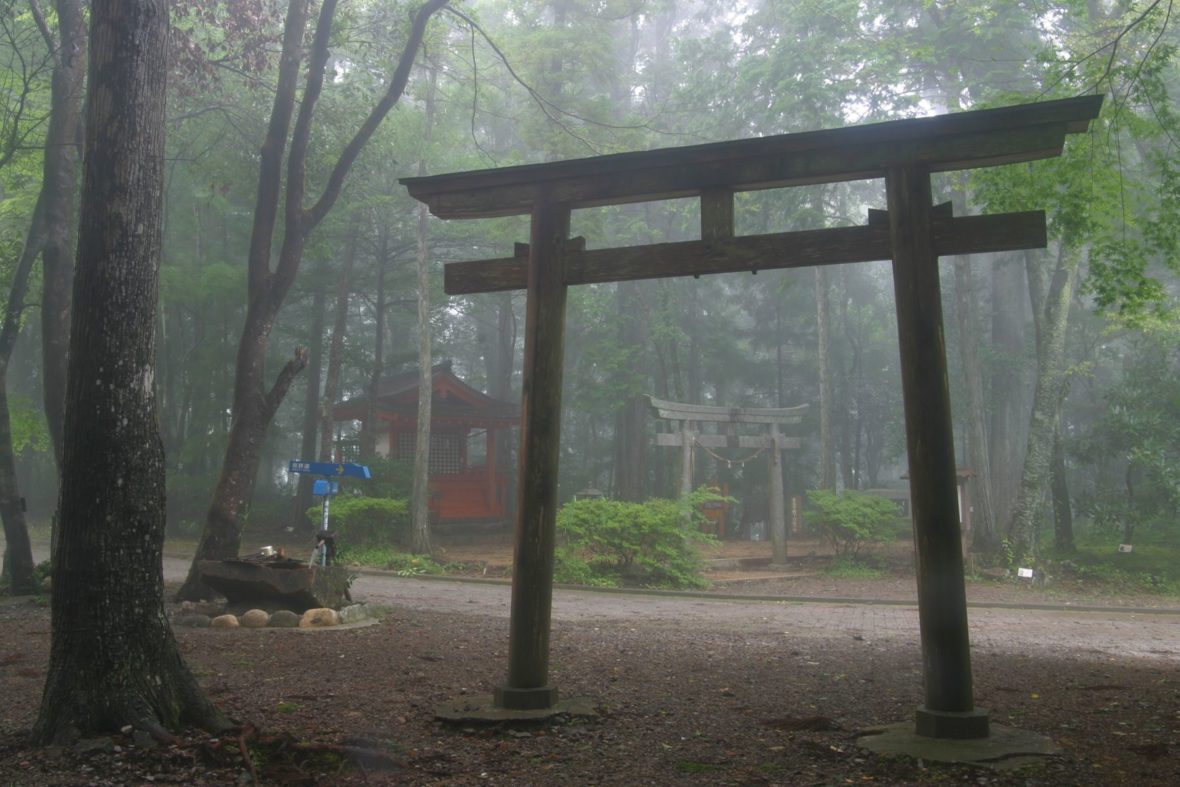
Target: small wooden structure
{"x": 688, "y": 438}
{"x": 912, "y": 233}
{"x": 466, "y": 485}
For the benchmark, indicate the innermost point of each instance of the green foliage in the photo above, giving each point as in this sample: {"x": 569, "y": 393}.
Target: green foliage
{"x": 851, "y": 519}
{"x": 388, "y": 559}
{"x": 1137, "y": 436}
{"x": 366, "y": 521}
{"x": 28, "y": 426}
{"x": 1149, "y": 568}
{"x": 650, "y": 544}
{"x": 392, "y": 478}
{"x": 1012, "y": 554}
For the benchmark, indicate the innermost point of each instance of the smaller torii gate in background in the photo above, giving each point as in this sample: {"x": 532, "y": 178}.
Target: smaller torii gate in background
{"x": 904, "y": 153}
{"x": 774, "y": 443}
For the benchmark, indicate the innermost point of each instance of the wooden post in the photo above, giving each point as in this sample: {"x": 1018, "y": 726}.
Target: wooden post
{"x": 528, "y": 685}
{"x": 778, "y": 519}
{"x": 687, "y": 443}
{"x": 949, "y": 711}
{"x": 716, "y": 214}
{"x": 490, "y": 469}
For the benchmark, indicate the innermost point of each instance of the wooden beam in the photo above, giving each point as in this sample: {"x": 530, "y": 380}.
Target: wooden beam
{"x": 741, "y": 415}
{"x": 804, "y": 248}
{"x": 947, "y": 142}
{"x": 675, "y": 440}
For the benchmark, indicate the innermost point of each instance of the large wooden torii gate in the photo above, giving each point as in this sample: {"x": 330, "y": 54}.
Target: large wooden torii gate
{"x": 904, "y": 153}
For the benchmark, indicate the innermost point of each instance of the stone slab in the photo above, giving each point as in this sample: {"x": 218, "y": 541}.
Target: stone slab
{"x": 475, "y": 710}
{"x": 1006, "y": 748}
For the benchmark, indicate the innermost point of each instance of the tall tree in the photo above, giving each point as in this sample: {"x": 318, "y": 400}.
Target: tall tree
{"x": 420, "y": 521}
{"x": 113, "y": 660}
{"x": 311, "y": 403}
{"x": 1051, "y": 278}
{"x": 63, "y": 138}
{"x": 254, "y": 403}
{"x": 23, "y": 79}
{"x": 18, "y": 552}
{"x": 336, "y": 344}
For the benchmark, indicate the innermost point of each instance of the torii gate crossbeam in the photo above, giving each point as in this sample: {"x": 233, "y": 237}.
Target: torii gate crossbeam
{"x": 904, "y": 153}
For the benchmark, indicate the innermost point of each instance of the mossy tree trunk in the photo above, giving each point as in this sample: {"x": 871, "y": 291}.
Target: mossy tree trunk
{"x": 1051, "y": 291}
{"x": 113, "y": 660}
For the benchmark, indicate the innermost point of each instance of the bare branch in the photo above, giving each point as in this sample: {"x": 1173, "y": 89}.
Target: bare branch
{"x": 289, "y": 372}
{"x": 46, "y": 33}
{"x": 547, "y": 106}
{"x": 270, "y": 170}
{"x": 397, "y": 86}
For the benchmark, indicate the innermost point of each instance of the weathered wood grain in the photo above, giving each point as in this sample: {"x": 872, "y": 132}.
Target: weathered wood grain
{"x": 804, "y": 248}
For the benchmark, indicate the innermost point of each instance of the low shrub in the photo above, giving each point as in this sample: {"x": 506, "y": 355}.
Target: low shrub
{"x": 850, "y": 520}
{"x": 650, "y": 544}
{"x": 366, "y": 521}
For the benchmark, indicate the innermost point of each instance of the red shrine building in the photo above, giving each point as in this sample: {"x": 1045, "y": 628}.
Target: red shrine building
{"x": 466, "y": 485}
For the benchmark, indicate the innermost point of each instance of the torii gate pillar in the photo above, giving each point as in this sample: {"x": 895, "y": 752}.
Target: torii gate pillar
{"x": 949, "y": 711}
{"x": 528, "y": 686}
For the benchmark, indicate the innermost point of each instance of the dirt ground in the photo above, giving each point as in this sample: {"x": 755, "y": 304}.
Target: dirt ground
{"x": 728, "y": 688}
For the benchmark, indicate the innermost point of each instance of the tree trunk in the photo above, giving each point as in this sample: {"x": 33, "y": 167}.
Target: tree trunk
{"x": 311, "y": 404}
{"x": 254, "y": 406}
{"x": 501, "y": 388}
{"x": 1051, "y": 300}
{"x": 336, "y": 348}
{"x": 984, "y": 536}
{"x": 18, "y": 568}
{"x": 827, "y": 450}
{"x": 1007, "y": 389}
{"x": 630, "y": 467}
{"x": 1062, "y": 511}
{"x": 113, "y": 659}
{"x": 60, "y": 178}
{"x": 420, "y": 525}
{"x": 369, "y": 428}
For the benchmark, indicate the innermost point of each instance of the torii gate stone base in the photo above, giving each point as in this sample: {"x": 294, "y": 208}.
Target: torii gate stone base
{"x": 904, "y": 153}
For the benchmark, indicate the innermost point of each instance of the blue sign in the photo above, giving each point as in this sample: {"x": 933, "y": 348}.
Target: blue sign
{"x": 330, "y": 469}
{"x": 323, "y": 486}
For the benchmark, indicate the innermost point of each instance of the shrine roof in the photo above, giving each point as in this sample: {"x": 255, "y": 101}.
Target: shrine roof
{"x": 961, "y": 140}
{"x": 453, "y": 399}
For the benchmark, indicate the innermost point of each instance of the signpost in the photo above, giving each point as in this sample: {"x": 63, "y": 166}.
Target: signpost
{"x": 325, "y": 545}
{"x": 330, "y": 469}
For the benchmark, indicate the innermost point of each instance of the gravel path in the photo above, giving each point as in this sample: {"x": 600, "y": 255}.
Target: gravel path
{"x": 1154, "y": 634}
